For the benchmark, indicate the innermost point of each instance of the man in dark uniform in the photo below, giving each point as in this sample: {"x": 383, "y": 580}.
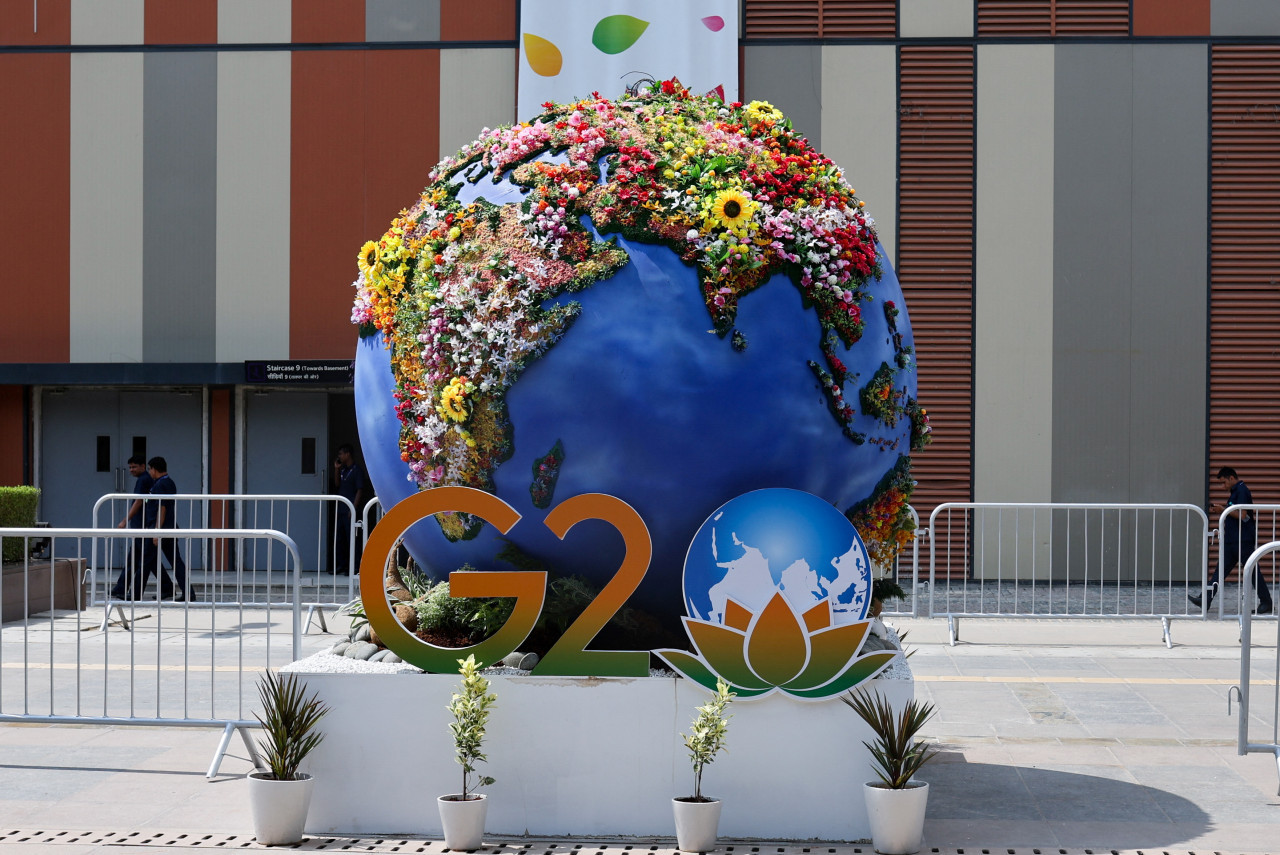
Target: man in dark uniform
{"x": 349, "y": 483}
{"x": 163, "y": 515}
{"x": 1239, "y": 540}
{"x": 129, "y": 585}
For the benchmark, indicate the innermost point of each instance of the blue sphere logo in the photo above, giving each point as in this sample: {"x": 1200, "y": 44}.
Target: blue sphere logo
{"x": 777, "y": 540}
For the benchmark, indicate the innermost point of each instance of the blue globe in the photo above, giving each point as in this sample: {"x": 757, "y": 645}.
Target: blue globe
{"x": 777, "y": 540}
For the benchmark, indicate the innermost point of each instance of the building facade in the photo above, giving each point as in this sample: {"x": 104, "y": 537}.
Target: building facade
{"x": 1081, "y": 199}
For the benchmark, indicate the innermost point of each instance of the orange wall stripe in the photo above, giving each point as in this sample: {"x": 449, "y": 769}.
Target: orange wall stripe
{"x": 35, "y": 174}
{"x": 396, "y": 164}
{"x": 328, "y": 21}
{"x": 49, "y": 23}
{"x": 478, "y": 22}
{"x": 181, "y": 22}
{"x": 1171, "y": 18}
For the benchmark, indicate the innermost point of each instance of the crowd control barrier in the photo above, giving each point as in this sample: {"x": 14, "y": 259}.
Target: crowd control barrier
{"x": 1066, "y": 560}
{"x": 1260, "y": 709}
{"x": 182, "y": 665}
{"x": 231, "y": 573}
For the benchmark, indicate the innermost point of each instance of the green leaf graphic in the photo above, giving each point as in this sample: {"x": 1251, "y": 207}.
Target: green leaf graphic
{"x": 616, "y": 33}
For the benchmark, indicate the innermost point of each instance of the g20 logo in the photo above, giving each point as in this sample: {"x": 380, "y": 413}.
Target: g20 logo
{"x": 776, "y": 584}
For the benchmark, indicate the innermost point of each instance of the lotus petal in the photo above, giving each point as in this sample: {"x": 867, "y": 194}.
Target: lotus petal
{"x": 543, "y": 56}
{"x": 723, "y": 649}
{"x": 829, "y": 654}
{"x": 863, "y": 668}
{"x": 616, "y": 33}
{"x": 777, "y": 646}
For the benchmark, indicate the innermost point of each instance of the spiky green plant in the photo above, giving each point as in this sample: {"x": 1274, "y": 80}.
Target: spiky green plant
{"x": 897, "y": 753}
{"x": 707, "y": 736}
{"x": 289, "y": 720}
{"x": 470, "y": 708}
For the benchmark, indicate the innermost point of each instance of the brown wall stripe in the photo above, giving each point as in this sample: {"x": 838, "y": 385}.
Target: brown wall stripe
{"x": 11, "y": 436}
{"x": 48, "y": 23}
{"x": 1171, "y": 18}
{"x": 35, "y": 174}
{"x": 181, "y": 22}
{"x": 1053, "y": 18}
{"x": 493, "y": 20}
{"x": 1244, "y": 310}
{"x": 820, "y": 19}
{"x": 328, "y": 21}
{"x": 935, "y": 257}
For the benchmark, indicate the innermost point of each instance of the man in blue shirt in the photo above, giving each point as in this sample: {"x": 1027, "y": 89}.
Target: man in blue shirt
{"x": 129, "y": 585}
{"x": 161, "y": 515}
{"x": 1239, "y": 539}
{"x": 349, "y": 483}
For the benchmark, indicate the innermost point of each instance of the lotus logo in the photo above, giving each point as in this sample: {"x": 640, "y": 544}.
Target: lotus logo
{"x": 780, "y": 547}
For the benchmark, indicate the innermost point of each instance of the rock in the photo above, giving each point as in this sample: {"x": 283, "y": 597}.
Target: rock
{"x": 528, "y": 661}
{"x": 362, "y": 634}
{"x": 392, "y": 659}
{"x": 360, "y": 650}
{"x": 379, "y": 656}
{"x": 340, "y": 648}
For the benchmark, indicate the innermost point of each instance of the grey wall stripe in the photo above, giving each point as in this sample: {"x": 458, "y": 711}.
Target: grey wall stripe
{"x": 179, "y": 206}
{"x": 1092, "y": 312}
{"x": 1170, "y": 275}
{"x": 402, "y": 20}
{"x": 790, "y": 78}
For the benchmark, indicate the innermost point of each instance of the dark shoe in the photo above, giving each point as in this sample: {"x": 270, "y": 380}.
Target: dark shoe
{"x": 1195, "y": 600}
{"x": 1264, "y": 609}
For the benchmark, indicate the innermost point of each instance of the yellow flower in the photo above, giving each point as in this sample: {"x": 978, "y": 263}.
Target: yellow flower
{"x": 732, "y": 209}
{"x": 761, "y": 111}
{"x": 368, "y": 257}
{"x": 453, "y": 400}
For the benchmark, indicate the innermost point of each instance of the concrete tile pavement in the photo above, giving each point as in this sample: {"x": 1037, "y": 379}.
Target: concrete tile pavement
{"x": 1056, "y": 736}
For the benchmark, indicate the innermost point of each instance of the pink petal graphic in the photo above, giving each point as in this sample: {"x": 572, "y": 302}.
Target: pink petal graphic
{"x": 714, "y": 23}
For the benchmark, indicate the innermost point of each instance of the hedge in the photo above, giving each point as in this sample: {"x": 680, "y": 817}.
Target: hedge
{"x": 17, "y": 510}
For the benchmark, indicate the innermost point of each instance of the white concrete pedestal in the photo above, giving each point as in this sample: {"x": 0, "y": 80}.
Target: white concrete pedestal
{"x": 587, "y": 756}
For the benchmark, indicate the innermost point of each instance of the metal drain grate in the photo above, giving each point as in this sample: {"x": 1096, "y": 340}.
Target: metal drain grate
{"x": 179, "y": 840}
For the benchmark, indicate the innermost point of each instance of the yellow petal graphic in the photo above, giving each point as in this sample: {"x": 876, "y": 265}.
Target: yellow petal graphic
{"x": 722, "y": 648}
{"x": 777, "y": 648}
{"x": 543, "y": 56}
{"x": 818, "y": 617}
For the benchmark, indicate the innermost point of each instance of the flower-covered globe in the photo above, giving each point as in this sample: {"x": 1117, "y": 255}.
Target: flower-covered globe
{"x": 664, "y": 298}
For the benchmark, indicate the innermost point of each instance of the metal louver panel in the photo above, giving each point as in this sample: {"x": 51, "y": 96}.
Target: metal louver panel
{"x": 1053, "y": 17}
{"x": 820, "y": 19}
{"x": 1014, "y": 17}
{"x": 935, "y": 259}
{"x": 1244, "y": 301}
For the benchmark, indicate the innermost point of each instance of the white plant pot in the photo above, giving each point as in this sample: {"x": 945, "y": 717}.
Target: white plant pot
{"x": 697, "y": 824}
{"x": 896, "y": 816}
{"x": 463, "y": 821}
{"x": 279, "y": 808}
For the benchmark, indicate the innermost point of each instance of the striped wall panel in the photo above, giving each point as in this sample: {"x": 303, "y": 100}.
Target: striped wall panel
{"x": 1244, "y": 372}
{"x": 830, "y": 19}
{"x": 935, "y": 256}
{"x": 1052, "y": 18}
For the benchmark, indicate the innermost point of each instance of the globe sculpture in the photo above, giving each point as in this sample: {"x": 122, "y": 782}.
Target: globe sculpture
{"x": 664, "y": 298}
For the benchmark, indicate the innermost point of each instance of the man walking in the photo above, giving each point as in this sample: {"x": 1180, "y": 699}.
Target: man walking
{"x": 349, "y": 483}
{"x": 130, "y": 584}
{"x": 1239, "y": 539}
{"x": 165, "y": 517}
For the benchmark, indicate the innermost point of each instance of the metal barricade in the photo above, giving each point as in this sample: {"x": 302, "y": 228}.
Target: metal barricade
{"x": 1264, "y": 716}
{"x": 184, "y": 664}
{"x": 906, "y": 572}
{"x": 312, "y": 520}
{"x": 1234, "y": 600}
{"x": 1061, "y": 560}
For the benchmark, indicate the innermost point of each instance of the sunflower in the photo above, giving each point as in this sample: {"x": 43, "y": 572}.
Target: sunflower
{"x": 368, "y": 256}
{"x": 732, "y": 209}
{"x": 453, "y": 400}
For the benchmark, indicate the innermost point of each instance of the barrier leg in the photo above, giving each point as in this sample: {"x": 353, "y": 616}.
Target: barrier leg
{"x": 1165, "y": 632}
{"x": 953, "y": 629}
{"x": 254, "y": 756}
{"x": 312, "y": 612}
{"x": 222, "y": 750}
{"x": 106, "y": 616}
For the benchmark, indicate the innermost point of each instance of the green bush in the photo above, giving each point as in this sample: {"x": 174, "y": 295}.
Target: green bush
{"x": 441, "y": 613}
{"x": 17, "y": 510}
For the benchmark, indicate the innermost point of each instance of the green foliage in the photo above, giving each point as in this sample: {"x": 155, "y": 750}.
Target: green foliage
{"x": 895, "y": 750}
{"x": 438, "y": 612}
{"x": 470, "y": 708}
{"x": 289, "y": 721}
{"x": 355, "y": 609}
{"x": 707, "y": 736}
{"x": 17, "y": 510}
{"x": 417, "y": 582}
{"x": 885, "y": 589}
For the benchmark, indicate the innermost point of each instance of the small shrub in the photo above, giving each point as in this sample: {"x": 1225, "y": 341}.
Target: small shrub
{"x": 707, "y": 736}
{"x": 470, "y": 708}
{"x": 17, "y": 510}
{"x": 442, "y": 614}
{"x": 289, "y": 722}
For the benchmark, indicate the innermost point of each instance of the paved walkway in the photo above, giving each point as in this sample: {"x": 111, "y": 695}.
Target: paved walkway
{"x": 1056, "y": 736}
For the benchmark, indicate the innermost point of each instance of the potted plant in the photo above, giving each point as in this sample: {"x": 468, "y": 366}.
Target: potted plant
{"x": 462, "y": 814}
{"x": 279, "y": 796}
{"x": 697, "y": 816}
{"x": 895, "y": 803}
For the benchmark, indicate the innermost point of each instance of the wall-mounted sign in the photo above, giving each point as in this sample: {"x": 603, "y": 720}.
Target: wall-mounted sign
{"x": 777, "y": 584}
{"x": 334, "y": 372}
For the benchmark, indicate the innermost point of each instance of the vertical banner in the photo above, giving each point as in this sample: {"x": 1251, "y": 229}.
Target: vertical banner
{"x": 570, "y": 48}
